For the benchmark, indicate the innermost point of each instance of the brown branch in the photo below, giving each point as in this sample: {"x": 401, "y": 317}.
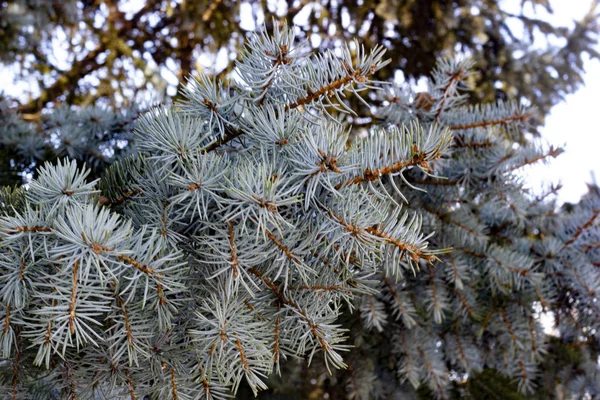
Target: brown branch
{"x": 336, "y": 84}
{"x": 481, "y": 124}
{"x": 472, "y": 252}
{"x": 415, "y": 252}
{"x": 472, "y": 145}
{"x": 532, "y": 333}
{"x": 48, "y": 334}
{"x": 174, "y": 391}
{"x": 552, "y": 152}
{"x": 205, "y": 384}
{"x": 487, "y": 318}
{"x": 314, "y": 328}
{"x": 238, "y": 344}
{"x": 591, "y": 292}
{"x": 164, "y": 219}
{"x": 508, "y": 325}
{"x": 372, "y": 310}
{"x": 7, "y": 319}
{"x": 406, "y": 355}
{"x": 21, "y": 229}
{"x": 73, "y": 302}
{"x": 522, "y": 365}
{"x": 446, "y": 218}
{"x": 580, "y": 344}
{"x": 464, "y": 303}
{"x": 269, "y": 283}
{"x": 149, "y": 271}
{"x": 433, "y": 289}
{"x": 591, "y": 246}
{"x": 121, "y": 304}
{"x": 253, "y": 309}
{"x": 352, "y": 259}
{"x": 507, "y": 201}
{"x": 289, "y": 254}
{"x": 231, "y": 133}
{"x": 281, "y": 59}
{"x": 332, "y": 288}
{"x": 98, "y": 249}
{"x": 543, "y": 301}
{"x": 276, "y": 343}
{"x": 128, "y": 194}
{"x": 16, "y": 361}
{"x": 353, "y": 229}
{"x": 234, "y": 257}
{"x": 68, "y": 376}
{"x": 460, "y": 348}
{"x": 130, "y": 386}
{"x": 77, "y": 71}
{"x": 441, "y": 182}
{"x": 553, "y": 190}
{"x": 419, "y": 159}
{"x": 142, "y": 267}
{"x": 161, "y": 294}
{"x": 454, "y": 269}
{"x": 454, "y": 78}
{"x": 432, "y": 373}
{"x": 88, "y": 64}
{"x": 269, "y": 205}
{"x": 514, "y": 339}
{"x": 395, "y": 296}
{"x": 520, "y": 271}
{"x": 583, "y": 228}
{"x": 326, "y": 164}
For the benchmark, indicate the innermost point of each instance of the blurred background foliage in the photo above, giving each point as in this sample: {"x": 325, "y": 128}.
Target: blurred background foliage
{"x": 115, "y": 52}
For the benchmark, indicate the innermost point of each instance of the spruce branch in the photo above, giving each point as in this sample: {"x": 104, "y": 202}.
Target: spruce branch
{"x": 552, "y": 152}
{"x": 484, "y": 124}
{"x": 583, "y": 228}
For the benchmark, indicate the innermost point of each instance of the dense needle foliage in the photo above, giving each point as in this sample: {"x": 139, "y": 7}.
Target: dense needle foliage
{"x": 116, "y": 53}
{"x": 254, "y": 232}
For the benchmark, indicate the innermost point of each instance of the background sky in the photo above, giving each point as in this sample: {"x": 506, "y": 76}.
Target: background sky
{"x": 572, "y": 124}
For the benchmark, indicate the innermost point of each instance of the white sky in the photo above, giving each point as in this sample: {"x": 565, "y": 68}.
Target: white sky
{"x": 572, "y": 124}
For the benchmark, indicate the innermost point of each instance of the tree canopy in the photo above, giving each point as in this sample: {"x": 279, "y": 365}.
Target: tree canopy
{"x": 254, "y": 233}
{"x": 117, "y": 54}
{"x": 81, "y": 51}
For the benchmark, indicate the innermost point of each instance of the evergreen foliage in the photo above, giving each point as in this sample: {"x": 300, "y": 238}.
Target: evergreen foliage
{"x": 94, "y": 135}
{"x": 254, "y": 231}
{"x": 115, "y": 53}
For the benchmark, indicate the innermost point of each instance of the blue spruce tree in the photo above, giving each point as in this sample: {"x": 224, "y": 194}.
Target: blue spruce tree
{"x": 255, "y": 236}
